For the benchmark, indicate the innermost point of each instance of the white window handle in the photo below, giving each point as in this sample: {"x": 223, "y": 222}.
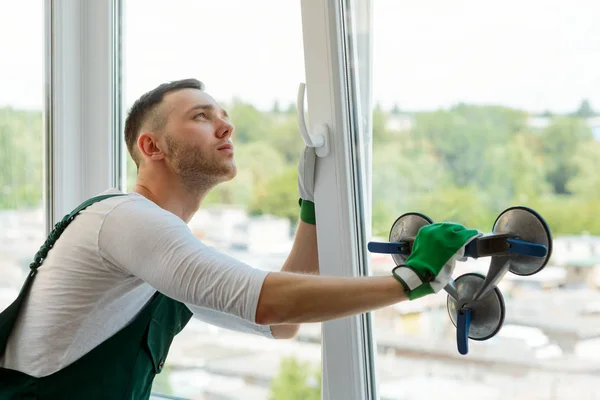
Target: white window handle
{"x": 319, "y": 138}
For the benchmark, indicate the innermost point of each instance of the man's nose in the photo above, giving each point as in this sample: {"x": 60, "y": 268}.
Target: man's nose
{"x": 225, "y": 130}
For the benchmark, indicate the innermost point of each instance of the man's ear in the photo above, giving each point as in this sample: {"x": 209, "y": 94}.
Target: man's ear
{"x": 149, "y": 146}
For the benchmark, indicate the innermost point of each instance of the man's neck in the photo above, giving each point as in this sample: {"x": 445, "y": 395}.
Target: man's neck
{"x": 175, "y": 199}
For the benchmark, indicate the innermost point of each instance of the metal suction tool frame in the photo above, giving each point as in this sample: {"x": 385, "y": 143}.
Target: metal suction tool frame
{"x": 475, "y": 319}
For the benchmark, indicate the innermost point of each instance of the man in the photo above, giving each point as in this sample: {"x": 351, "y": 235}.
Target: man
{"x": 127, "y": 273}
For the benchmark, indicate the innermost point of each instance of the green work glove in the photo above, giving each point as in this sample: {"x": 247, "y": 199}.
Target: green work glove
{"x": 435, "y": 251}
{"x": 306, "y": 184}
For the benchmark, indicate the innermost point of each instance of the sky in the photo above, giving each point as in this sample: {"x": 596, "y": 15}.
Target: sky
{"x": 532, "y": 54}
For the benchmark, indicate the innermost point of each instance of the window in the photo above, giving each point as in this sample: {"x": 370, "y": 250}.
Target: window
{"x": 250, "y": 57}
{"x": 22, "y": 210}
{"x": 476, "y": 107}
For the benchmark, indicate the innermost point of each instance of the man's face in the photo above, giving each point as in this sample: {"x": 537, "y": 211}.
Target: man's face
{"x": 198, "y": 138}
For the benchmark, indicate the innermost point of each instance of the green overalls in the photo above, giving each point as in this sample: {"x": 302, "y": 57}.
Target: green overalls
{"x": 122, "y": 367}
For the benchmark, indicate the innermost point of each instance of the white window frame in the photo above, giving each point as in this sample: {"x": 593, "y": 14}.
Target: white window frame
{"x": 82, "y": 102}
{"x": 347, "y": 355}
{"x": 84, "y": 155}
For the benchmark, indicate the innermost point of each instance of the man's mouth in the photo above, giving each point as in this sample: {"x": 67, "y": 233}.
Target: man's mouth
{"x": 226, "y": 147}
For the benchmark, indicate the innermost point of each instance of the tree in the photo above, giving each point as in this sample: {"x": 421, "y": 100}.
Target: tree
{"x": 402, "y": 170}
{"x": 257, "y": 162}
{"x": 21, "y": 156}
{"x": 131, "y": 172}
{"x": 585, "y": 110}
{"x": 284, "y": 136}
{"x": 527, "y": 168}
{"x": 459, "y": 137}
{"x": 276, "y": 107}
{"x": 560, "y": 142}
{"x": 465, "y": 205}
{"x": 296, "y": 381}
{"x": 278, "y": 196}
{"x": 514, "y": 171}
{"x": 250, "y": 123}
{"x": 380, "y": 132}
{"x": 586, "y": 183}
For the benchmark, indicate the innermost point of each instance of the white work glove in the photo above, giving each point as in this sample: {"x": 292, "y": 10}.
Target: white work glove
{"x": 435, "y": 251}
{"x": 306, "y": 184}
{"x": 306, "y": 174}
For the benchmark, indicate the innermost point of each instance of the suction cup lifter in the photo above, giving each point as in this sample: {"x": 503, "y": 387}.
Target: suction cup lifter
{"x": 501, "y": 244}
{"x": 520, "y": 242}
{"x": 390, "y": 247}
{"x": 485, "y": 246}
{"x": 462, "y": 330}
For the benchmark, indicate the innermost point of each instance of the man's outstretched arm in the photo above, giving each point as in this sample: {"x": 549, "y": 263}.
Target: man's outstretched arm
{"x": 296, "y": 298}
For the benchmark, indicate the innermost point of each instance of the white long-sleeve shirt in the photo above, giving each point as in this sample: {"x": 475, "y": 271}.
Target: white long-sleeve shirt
{"x": 104, "y": 269}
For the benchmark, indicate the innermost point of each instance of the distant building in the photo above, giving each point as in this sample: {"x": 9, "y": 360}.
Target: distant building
{"x": 594, "y": 124}
{"x": 399, "y": 122}
{"x": 230, "y": 227}
{"x": 405, "y": 122}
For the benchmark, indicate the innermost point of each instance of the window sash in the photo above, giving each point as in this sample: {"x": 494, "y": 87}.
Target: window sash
{"x": 82, "y": 92}
{"x": 347, "y": 354}
{"x": 83, "y": 104}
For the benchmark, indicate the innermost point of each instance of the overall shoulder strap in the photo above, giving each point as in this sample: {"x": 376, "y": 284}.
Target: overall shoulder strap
{"x": 89, "y": 202}
{"x": 8, "y": 316}
{"x": 60, "y": 227}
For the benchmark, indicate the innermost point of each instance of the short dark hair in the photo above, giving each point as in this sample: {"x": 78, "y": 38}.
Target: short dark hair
{"x": 146, "y": 109}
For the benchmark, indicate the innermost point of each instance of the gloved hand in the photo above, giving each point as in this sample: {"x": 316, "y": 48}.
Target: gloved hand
{"x": 306, "y": 184}
{"x": 435, "y": 251}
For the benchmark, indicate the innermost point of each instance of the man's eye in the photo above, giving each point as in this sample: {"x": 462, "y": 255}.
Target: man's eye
{"x": 200, "y": 115}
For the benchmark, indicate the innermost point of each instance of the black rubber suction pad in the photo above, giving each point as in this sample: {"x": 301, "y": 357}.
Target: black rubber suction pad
{"x": 529, "y": 226}
{"x": 406, "y": 227}
{"x": 487, "y": 313}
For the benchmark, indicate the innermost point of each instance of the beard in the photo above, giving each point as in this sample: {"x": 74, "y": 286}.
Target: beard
{"x": 199, "y": 170}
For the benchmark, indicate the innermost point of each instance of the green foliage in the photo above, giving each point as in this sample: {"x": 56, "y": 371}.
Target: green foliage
{"x": 279, "y": 196}
{"x": 460, "y": 137}
{"x": 586, "y": 183}
{"x": 380, "y": 133}
{"x": 21, "y": 158}
{"x": 569, "y": 215}
{"x": 466, "y": 164}
{"x": 585, "y": 110}
{"x": 131, "y": 173}
{"x": 561, "y": 140}
{"x": 296, "y": 381}
{"x": 469, "y": 163}
{"x": 250, "y": 123}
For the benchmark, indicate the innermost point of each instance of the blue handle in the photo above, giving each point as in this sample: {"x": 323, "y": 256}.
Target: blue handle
{"x": 463, "y": 324}
{"x": 471, "y": 249}
{"x": 524, "y": 248}
{"x": 388, "y": 248}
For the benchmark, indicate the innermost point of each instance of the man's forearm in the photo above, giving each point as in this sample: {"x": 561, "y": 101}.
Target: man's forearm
{"x": 304, "y": 257}
{"x": 288, "y": 298}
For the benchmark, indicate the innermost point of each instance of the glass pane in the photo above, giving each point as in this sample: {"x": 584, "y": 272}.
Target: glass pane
{"x": 477, "y": 107}
{"x": 250, "y": 57}
{"x": 22, "y": 211}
